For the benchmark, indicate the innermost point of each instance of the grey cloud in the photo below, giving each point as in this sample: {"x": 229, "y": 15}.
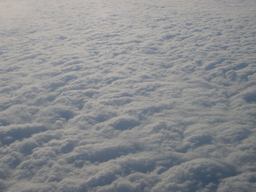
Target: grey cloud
{"x": 198, "y": 174}
{"x": 241, "y": 182}
{"x": 127, "y": 96}
{"x": 12, "y": 133}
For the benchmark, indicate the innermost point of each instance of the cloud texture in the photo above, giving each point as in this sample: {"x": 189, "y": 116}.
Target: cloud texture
{"x": 127, "y": 95}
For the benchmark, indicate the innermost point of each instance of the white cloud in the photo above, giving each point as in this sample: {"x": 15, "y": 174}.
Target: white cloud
{"x": 127, "y": 96}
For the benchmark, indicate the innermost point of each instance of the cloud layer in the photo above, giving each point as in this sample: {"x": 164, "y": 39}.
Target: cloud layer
{"x": 127, "y": 96}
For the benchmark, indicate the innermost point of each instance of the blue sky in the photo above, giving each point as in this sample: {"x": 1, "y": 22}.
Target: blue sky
{"x": 127, "y": 95}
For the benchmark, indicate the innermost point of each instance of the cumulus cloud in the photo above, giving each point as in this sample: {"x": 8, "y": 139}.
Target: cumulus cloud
{"x": 127, "y": 96}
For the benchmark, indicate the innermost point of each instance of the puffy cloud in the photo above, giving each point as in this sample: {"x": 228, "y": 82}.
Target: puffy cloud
{"x": 127, "y": 96}
{"x": 198, "y": 174}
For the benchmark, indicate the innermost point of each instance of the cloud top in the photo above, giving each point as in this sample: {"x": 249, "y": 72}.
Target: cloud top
{"x": 127, "y": 96}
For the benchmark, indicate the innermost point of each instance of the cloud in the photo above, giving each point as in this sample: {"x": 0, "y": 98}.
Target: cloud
{"x": 127, "y": 96}
{"x": 12, "y": 133}
{"x": 198, "y": 174}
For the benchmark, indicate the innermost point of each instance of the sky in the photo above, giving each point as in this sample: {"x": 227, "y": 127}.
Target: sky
{"x": 127, "y": 96}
